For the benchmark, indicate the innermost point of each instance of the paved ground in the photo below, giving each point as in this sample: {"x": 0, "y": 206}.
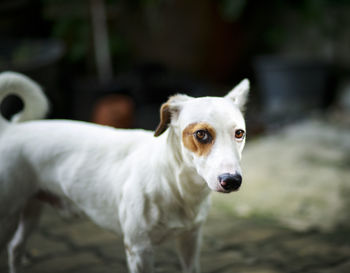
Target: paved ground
{"x": 254, "y": 243}
{"x": 230, "y": 245}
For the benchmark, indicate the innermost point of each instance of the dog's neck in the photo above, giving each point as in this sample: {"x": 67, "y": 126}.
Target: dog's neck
{"x": 187, "y": 185}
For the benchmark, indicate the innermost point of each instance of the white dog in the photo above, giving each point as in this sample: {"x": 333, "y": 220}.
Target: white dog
{"x": 144, "y": 186}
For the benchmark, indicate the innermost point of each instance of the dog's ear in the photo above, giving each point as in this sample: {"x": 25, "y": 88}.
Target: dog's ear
{"x": 168, "y": 111}
{"x": 239, "y": 94}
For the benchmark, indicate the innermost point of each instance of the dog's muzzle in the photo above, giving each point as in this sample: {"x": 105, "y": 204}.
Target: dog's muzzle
{"x": 230, "y": 182}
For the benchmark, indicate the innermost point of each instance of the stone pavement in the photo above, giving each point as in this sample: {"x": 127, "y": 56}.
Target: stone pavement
{"x": 229, "y": 245}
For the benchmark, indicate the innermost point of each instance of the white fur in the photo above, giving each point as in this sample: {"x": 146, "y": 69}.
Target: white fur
{"x": 12, "y": 83}
{"x": 128, "y": 181}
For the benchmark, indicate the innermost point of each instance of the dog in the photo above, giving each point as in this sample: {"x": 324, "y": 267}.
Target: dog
{"x": 144, "y": 186}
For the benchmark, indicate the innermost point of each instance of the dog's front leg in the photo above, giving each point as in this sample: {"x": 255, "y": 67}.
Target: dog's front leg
{"x": 188, "y": 247}
{"x": 139, "y": 257}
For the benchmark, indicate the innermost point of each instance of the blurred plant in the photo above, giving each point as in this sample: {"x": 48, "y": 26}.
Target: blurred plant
{"x": 72, "y": 23}
{"x": 231, "y": 10}
{"x": 311, "y": 27}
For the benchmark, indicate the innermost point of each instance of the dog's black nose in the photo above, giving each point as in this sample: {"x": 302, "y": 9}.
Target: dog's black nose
{"x": 230, "y": 182}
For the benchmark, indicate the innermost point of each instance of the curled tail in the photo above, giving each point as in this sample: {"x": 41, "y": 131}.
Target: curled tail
{"x": 35, "y": 102}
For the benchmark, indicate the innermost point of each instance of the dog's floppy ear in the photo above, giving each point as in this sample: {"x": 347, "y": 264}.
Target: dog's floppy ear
{"x": 239, "y": 94}
{"x": 168, "y": 111}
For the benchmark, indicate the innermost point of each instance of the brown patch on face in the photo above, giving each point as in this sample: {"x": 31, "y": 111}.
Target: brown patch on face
{"x": 192, "y": 143}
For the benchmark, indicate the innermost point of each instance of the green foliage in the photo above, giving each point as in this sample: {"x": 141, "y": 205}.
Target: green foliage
{"x": 71, "y": 24}
{"x": 76, "y": 34}
{"x": 231, "y": 10}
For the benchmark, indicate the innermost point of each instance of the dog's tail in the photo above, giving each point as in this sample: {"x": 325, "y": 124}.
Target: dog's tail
{"x": 35, "y": 102}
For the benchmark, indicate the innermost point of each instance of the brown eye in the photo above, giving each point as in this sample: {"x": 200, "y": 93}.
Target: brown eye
{"x": 239, "y": 134}
{"x": 203, "y": 136}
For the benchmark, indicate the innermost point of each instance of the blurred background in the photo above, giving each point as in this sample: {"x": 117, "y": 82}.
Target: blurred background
{"x": 115, "y": 61}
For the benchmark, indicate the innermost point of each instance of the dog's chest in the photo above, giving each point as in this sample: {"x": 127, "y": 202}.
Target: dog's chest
{"x": 171, "y": 222}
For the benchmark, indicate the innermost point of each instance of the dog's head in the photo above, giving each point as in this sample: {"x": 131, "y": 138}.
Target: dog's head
{"x": 212, "y": 132}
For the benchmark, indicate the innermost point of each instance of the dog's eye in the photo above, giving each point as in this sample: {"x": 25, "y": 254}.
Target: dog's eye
{"x": 203, "y": 136}
{"x": 239, "y": 134}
